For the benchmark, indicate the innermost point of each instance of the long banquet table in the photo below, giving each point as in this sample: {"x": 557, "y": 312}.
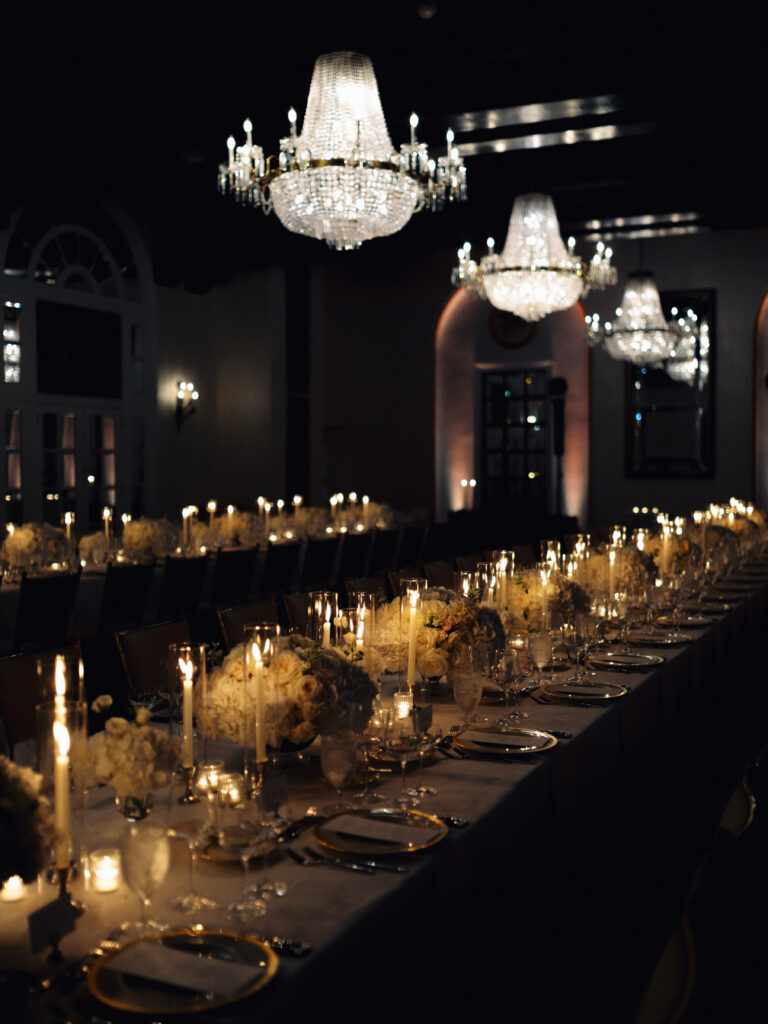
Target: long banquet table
{"x": 557, "y": 898}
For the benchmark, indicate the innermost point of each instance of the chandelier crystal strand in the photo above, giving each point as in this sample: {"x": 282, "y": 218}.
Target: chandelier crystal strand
{"x": 689, "y": 360}
{"x": 535, "y": 274}
{"x": 341, "y": 180}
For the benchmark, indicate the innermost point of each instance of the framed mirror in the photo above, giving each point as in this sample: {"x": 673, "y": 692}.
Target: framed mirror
{"x": 669, "y": 407}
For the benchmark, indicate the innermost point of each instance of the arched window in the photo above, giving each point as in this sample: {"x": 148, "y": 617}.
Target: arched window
{"x": 77, "y": 396}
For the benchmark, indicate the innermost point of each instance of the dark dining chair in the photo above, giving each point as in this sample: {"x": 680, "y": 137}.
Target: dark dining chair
{"x": 296, "y": 607}
{"x": 233, "y": 574}
{"x": 126, "y": 592}
{"x": 377, "y": 585}
{"x": 468, "y": 563}
{"x": 319, "y": 569}
{"x": 144, "y": 654}
{"x": 411, "y": 549}
{"x": 232, "y": 621}
{"x": 441, "y": 573}
{"x": 182, "y": 586}
{"x": 19, "y": 692}
{"x": 44, "y": 610}
{"x": 280, "y": 571}
{"x": 524, "y": 556}
{"x": 383, "y": 551}
{"x": 355, "y": 550}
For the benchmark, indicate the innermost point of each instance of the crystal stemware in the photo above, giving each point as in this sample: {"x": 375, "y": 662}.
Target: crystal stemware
{"x": 146, "y": 856}
{"x": 540, "y": 651}
{"x": 466, "y": 678}
{"x": 514, "y": 679}
{"x": 402, "y": 740}
{"x": 338, "y": 760}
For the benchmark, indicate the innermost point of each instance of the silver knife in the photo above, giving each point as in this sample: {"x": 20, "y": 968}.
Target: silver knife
{"x": 337, "y": 862}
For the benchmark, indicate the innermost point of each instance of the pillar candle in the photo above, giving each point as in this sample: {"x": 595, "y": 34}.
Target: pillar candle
{"x": 61, "y": 792}
{"x": 211, "y": 512}
{"x": 327, "y": 627}
{"x": 260, "y": 710}
{"x": 413, "y": 600}
{"x": 187, "y": 732}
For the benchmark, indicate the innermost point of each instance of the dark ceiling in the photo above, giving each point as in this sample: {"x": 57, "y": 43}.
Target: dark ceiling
{"x": 139, "y": 110}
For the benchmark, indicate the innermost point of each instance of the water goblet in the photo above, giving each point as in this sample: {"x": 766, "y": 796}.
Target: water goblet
{"x": 338, "y": 760}
{"x": 372, "y": 738}
{"x": 146, "y": 856}
{"x": 195, "y": 834}
{"x": 514, "y": 680}
{"x": 466, "y": 679}
{"x": 402, "y": 740}
{"x": 540, "y": 652}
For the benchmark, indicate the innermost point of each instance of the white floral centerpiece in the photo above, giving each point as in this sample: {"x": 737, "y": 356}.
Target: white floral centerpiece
{"x": 309, "y": 690}
{"x": 134, "y": 758}
{"x": 632, "y": 568}
{"x": 93, "y": 548}
{"x": 524, "y": 606}
{"x": 446, "y": 622}
{"x": 26, "y": 824}
{"x": 38, "y": 543}
{"x": 150, "y": 538}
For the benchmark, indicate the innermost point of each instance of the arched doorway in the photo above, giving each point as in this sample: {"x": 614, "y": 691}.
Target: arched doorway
{"x": 482, "y": 360}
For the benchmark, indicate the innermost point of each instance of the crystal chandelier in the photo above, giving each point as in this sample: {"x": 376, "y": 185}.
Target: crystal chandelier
{"x": 535, "y": 274}
{"x": 340, "y": 179}
{"x": 689, "y": 360}
{"x": 640, "y": 333}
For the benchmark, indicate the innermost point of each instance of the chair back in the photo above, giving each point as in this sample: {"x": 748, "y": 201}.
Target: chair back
{"x": 233, "y": 573}
{"x": 232, "y": 621}
{"x": 355, "y": 550}
{"x": 144, "y": 654}
{"x": 182, "y": 586}
{"x": 468, "y": 563}
{"x": 296, "y": 611}
{"x": 411, "y": 548}
{"x": 524, "y": 556}
{"x": 383, "y": 551}
{"x": 126, "y": 592}
{"x": 18, "y": 693}
{"x": 280, "y": 571}
{"x": 44, "y": 610}
{"x": 377, "y": 585}
{"x": 440, "y": 574}
{"x": 319, "y": 570}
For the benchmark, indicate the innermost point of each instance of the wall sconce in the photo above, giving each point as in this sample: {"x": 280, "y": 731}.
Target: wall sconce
{"x": 186, "y": 401}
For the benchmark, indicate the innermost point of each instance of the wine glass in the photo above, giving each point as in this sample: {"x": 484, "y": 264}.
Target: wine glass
{"x": 514, "y": 679}
{"x": 146, "y": 856}
{"x": 540, "y": 652}
{"x": 195, "y": 834}
{"x": 338, "y": 760}
{"x": 372, "y": 738}
{"x": 466, "y": 679}
{"x": 402, "y": 740}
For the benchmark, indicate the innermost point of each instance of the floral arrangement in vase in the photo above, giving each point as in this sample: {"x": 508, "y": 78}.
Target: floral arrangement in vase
{"x": 632, "y": 568}
{"x": 524, "y": 605}
{"x": 309, "y": 691}
{"x": 34, "y": 543}
{"x": 26, "y": 824}
{"x": 446, "y": 622}
{"x": 133, "y": 758}
{"x": 93, "y": 548}
{"x": 150, "y": 538}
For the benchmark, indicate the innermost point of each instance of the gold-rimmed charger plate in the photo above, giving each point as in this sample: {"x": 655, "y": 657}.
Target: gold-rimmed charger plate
{"x": 619, "y": 661}
{"x": 512, "y": 743}
{"x": 427, "y": 830}
{"x": 645, "y": 639}
{"x": 592, "y": 691}
{"x": 123, "y": 990}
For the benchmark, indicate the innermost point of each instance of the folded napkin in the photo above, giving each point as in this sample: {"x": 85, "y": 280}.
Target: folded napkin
{"x": 375, "y": 828}
{"x": 497, "y": 739}
{"x": 157, "y": 962}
